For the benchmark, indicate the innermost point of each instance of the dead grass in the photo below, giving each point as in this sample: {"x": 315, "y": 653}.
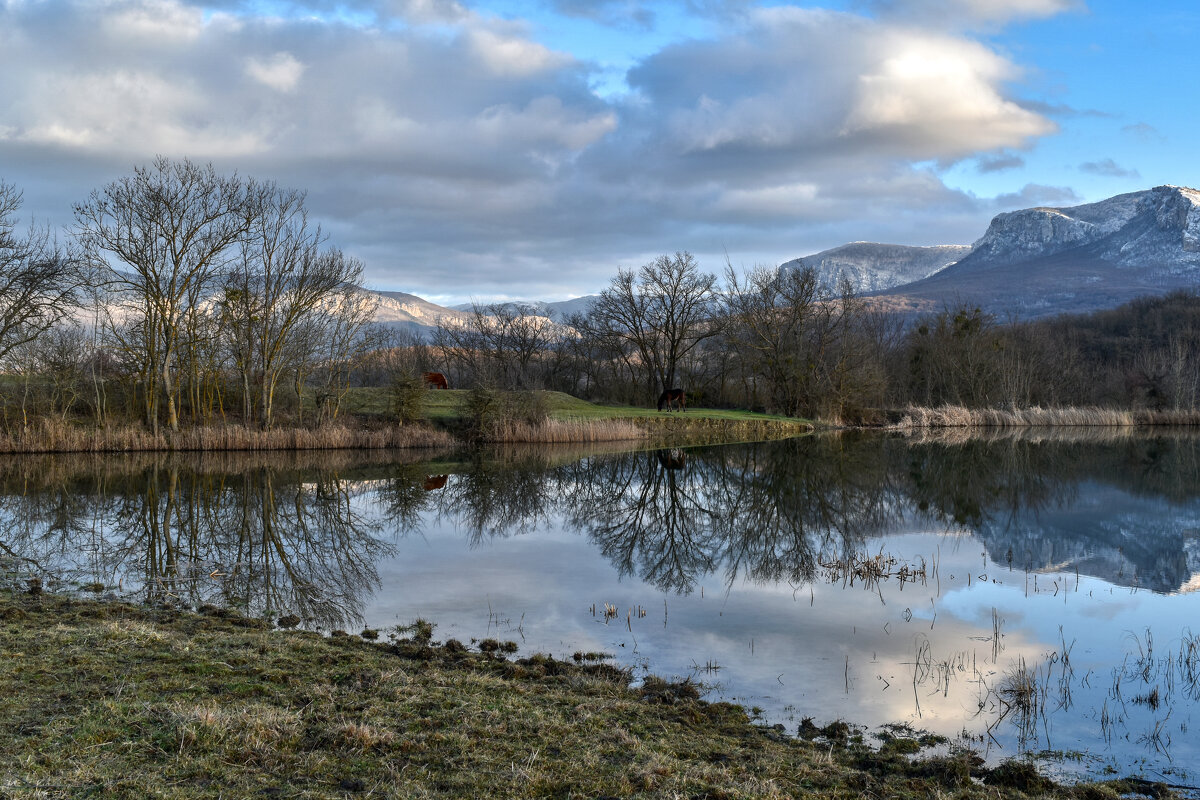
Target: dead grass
{"x": 558, "y": 431}
{"x": 101, "y": 701}
{"x": 915, "y": 417}
{"x": 49, "y": 436}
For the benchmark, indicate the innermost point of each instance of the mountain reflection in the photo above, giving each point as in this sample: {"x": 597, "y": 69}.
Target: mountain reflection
{"x": 1118, "y": 506}
{"x": 303, "y": 534}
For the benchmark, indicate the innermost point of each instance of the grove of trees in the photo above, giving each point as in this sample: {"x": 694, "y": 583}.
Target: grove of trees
{"x": 182, "y": 296}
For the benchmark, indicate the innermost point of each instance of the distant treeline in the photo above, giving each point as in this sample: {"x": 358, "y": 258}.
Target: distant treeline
{"x": 778, "y": 341}
{"x": 183, "y": 296}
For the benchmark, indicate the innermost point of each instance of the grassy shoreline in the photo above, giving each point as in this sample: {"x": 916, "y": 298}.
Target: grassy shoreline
{"x": 115, "y": 700}
{"x": 368, "y": 425}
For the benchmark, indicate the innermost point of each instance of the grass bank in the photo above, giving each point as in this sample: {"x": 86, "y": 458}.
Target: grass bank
{"x": 571, "y": 419}
{"x": 369, "y": 424}
{"x": 112, "y": 700}
{"x": 915, "y": 417}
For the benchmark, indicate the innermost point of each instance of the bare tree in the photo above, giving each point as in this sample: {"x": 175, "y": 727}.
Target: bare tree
{"x": 281, "y": 279}
{"x": 660, "y": 314}
{"x": 332, "y": 340}
{"x": 498, "y": 345}
{"x": 170, "y": 228}
{"x": 38, "y": 278}
{"x": 771, "y": 314}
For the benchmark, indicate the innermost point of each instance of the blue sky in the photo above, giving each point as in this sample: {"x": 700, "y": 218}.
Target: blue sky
{"x": 480, "y": 149}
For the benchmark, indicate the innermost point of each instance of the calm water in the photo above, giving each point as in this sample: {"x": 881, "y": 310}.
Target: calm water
{"x": 1021, "y": 594}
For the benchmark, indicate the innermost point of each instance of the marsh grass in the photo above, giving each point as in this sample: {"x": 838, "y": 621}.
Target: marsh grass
{"x": 950, "y": 416}
{"x": 113, "y": 700}
{"x": 563, "y": 431}
{"x": 52, "y": 436}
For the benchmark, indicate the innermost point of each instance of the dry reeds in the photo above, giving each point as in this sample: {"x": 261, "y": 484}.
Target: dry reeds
{"x": 558, "y": 431}
{"x": 708, "y": 430}
{"x": 55, "y": 437}
{"x": 915, "y": 417}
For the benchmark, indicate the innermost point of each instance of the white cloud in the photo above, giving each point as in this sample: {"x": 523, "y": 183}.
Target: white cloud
{"x": 153, "y": 22}
{"x": 512, "y": 55}
{"x": 460, "y": 141}
{"x": 280, "y": 71}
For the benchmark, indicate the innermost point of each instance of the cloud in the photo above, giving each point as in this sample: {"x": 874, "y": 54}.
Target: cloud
{"x": 795, "y": 86}
{"x": 280, "y": 72}
{"x": 1034, "y": 195}
{"x": 1144, "y": 132}
{"x": 1108, "y": 168}
{"x": 454, "y": 152}
{"x": 999, "y": 162}
{"x": 445, "y": 12}
{"x": 979, "y": 12}
{"x": 617, "y": 13}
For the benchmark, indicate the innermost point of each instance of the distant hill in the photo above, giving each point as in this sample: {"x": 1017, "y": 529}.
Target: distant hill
{"x": 557, "y": 310}
{"x": 873, "y": 267}
{"x": 408, "y": 312}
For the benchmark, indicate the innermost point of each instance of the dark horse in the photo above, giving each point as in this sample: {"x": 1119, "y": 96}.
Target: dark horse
{"x": 672, "y": 397}
{"x": 671, "y": 459}
{"x": 436, "y": 379}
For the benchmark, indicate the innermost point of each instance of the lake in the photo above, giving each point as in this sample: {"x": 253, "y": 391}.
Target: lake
{"x": 1026, "y": 592}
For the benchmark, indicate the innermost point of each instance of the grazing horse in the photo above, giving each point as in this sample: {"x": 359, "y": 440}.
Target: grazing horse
{"x": 434, "y": 482}
{"x": 672, "y": 397}
{"x": 436, "y": 379}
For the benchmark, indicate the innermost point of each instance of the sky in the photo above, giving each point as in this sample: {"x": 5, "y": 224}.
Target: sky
{"x": 527, "y": 149}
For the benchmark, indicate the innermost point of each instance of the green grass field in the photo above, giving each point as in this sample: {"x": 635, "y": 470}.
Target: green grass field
{"x": 443, "y": 405}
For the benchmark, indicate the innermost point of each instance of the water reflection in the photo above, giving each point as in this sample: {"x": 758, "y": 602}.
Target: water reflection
{"x": 303, "y": 533}
{"x": 264, "y": 534}
{"x": 940, "y": 575}
{"x": 775, "y": 511}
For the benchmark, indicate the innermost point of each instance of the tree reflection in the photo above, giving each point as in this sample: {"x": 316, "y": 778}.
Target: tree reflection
{"x": 266, "y": 538}
{"x": 303, "y": 534}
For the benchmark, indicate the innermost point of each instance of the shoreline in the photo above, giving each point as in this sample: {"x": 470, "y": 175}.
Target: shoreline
{"x": 608, "y": 425}
{"x": 53, "y": 437}
{"x": 113, "y": 699}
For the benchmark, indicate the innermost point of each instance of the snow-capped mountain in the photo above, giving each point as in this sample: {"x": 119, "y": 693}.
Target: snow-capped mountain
{"x": 1040, "y": 261}
{"x": 873, "y": 267}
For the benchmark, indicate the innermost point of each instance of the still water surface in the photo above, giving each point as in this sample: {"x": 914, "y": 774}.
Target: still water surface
{"x": 1023, "y": 593}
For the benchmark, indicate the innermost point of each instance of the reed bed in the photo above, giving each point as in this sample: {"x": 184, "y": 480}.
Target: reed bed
{"x": 54, "y": 437}
{"x": 707, "y": 430}
{"x": 915, "y": 417}
{"x": 561, "y": 431}
{"x": 1032, "y": 435}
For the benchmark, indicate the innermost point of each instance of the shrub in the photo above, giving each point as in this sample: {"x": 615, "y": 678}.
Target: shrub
{"x": 408, "y": 398}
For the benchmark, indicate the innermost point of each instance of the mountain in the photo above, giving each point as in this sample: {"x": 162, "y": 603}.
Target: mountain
{"x": 409, "y": 312}
{"x": 1041, "y": 261}
{"x": 873, "y": 267}
{"x": 558, "y": 310}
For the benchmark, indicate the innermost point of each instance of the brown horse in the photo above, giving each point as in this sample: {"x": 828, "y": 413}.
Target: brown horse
{"x": 436, "y": 379}
{"x": 672, "y": 397}
{"x": 434, "y": 482}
